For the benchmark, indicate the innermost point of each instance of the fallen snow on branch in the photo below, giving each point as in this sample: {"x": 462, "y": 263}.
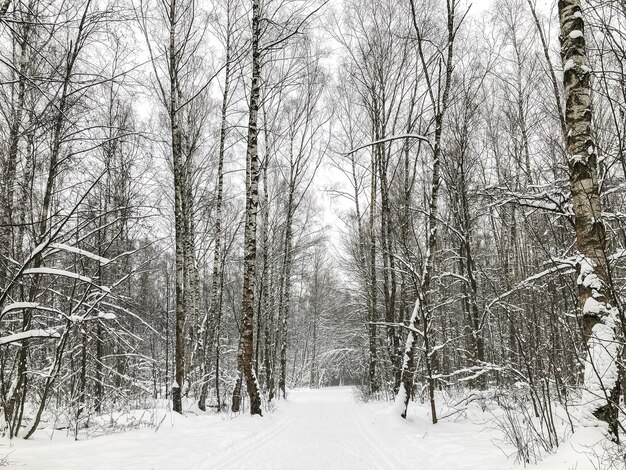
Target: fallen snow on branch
{"x": 18, "y": 306}
{"x": 58, "y": 272}
{"x": 107, "y": 316}
{"x": 37, "y": 333}
{"x": 64, "y": 273}
{"x": 78, "y": 251}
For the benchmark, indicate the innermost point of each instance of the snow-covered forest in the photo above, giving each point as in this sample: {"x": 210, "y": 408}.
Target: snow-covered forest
{"x": 312, "y": 234}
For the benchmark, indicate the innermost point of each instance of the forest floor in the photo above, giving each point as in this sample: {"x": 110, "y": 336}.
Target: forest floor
{"x": 313, "y": 429}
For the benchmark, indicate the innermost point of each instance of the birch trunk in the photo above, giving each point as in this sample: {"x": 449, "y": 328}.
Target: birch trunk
{"x": 245, "y": 354}
{"x": 179, "y": 215}
{"x": 211, "y": 322}
{"x": 600, "y": 315}
{"x": 286, "y": 297}
{"x": 420, "y": 311}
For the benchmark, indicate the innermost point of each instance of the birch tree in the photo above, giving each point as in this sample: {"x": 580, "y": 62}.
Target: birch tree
{"x": 304, "y": 154}
{"x": 55, "y": 92}
{"x": 180, "y": 85}
{"x": 211, "y": 322}
{"x": 600, "y": 315}
{"x": 439, "y": 93}
{"x": 246, "y": 341}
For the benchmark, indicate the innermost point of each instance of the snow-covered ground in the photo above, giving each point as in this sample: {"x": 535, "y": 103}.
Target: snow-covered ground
{"x": 314, "y": 429}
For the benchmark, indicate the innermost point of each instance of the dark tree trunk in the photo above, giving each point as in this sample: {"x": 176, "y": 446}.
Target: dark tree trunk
{"x": 246, "y": 348}
{"x": 179, "y": 215}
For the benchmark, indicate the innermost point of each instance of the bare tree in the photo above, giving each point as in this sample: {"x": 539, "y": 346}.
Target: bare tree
{"x": 246, "y": 343}
{"x": 438, "y": 90}
{"x": 211, "y": 320}
{"x": 304, "y": 154}
{"x": 600, "y": 312}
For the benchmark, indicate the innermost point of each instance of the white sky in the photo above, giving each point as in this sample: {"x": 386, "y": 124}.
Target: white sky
{"x": 479, "y": 5}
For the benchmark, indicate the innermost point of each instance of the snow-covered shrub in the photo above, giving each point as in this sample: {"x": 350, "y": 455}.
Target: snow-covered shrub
{"x": 532, "y": 421}
{"x": 362, "y": 393}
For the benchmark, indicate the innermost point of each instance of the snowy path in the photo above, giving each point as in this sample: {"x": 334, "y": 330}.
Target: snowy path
{"x": 325, "y": 430}
{"x": 315, "y": 429}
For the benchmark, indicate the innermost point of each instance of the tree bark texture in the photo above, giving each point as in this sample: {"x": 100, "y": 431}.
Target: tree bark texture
{"x": 179, "y": 216}
{"x": 246, "y": 349}
{"x": 600, "y": 316}
{"x": 420, "y": 311}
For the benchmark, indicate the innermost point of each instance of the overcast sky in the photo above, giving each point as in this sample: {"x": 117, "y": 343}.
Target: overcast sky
{"x": 480, "y": 4}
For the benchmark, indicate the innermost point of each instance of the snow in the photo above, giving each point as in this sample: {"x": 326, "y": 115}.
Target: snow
{"x": 78, "y": 251}
{"x": 570, "y": 64}
{"x": 593, "y": 306}
{"x": 38, "y": 249}
{"x": 58, "y": 272}
{"x": 586, "y": 449}
{"x": 576, "y": 34}
{"x": 587, "y": 277}
{"x": 400, "y": 400}
{"x": 313, "y": 429}
{"x": 37, "y": 333}
{"x": 601, "y": 371}
{"x": 64, "y": 273}
{"x": 18, "y": 306}
{"x": 107, "y": 316}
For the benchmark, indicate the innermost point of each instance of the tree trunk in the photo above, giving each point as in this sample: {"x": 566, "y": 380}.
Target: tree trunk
{"x": 245, "y": 353}
{"x": 600, "y": 314}
{"x": 440, "y": 104}
{"x": 286, "y": 297}
{"x": 373, "y": 287}
{"x": 179, "y": 217}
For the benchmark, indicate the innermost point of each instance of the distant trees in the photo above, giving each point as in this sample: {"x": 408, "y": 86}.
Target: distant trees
{"x": 67, "y": 163}
{"x": 379, "y": 91}
{"x": 305, "y": 149}
{"x": 439, "y": 95}
{"x": 163, "y": 234}
{"x": 300, "y": 140}
{"x": 503, "y": 213}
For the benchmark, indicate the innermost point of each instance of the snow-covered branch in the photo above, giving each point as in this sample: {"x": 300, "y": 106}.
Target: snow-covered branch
{"x": 36, "y": 333}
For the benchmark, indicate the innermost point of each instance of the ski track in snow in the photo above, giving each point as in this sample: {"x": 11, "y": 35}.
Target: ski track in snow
{"x": 313, "y": 429}
{"x": 253, "y": 445}
{"x": 325, "y": 429}
{"x": 386, "y": 460}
